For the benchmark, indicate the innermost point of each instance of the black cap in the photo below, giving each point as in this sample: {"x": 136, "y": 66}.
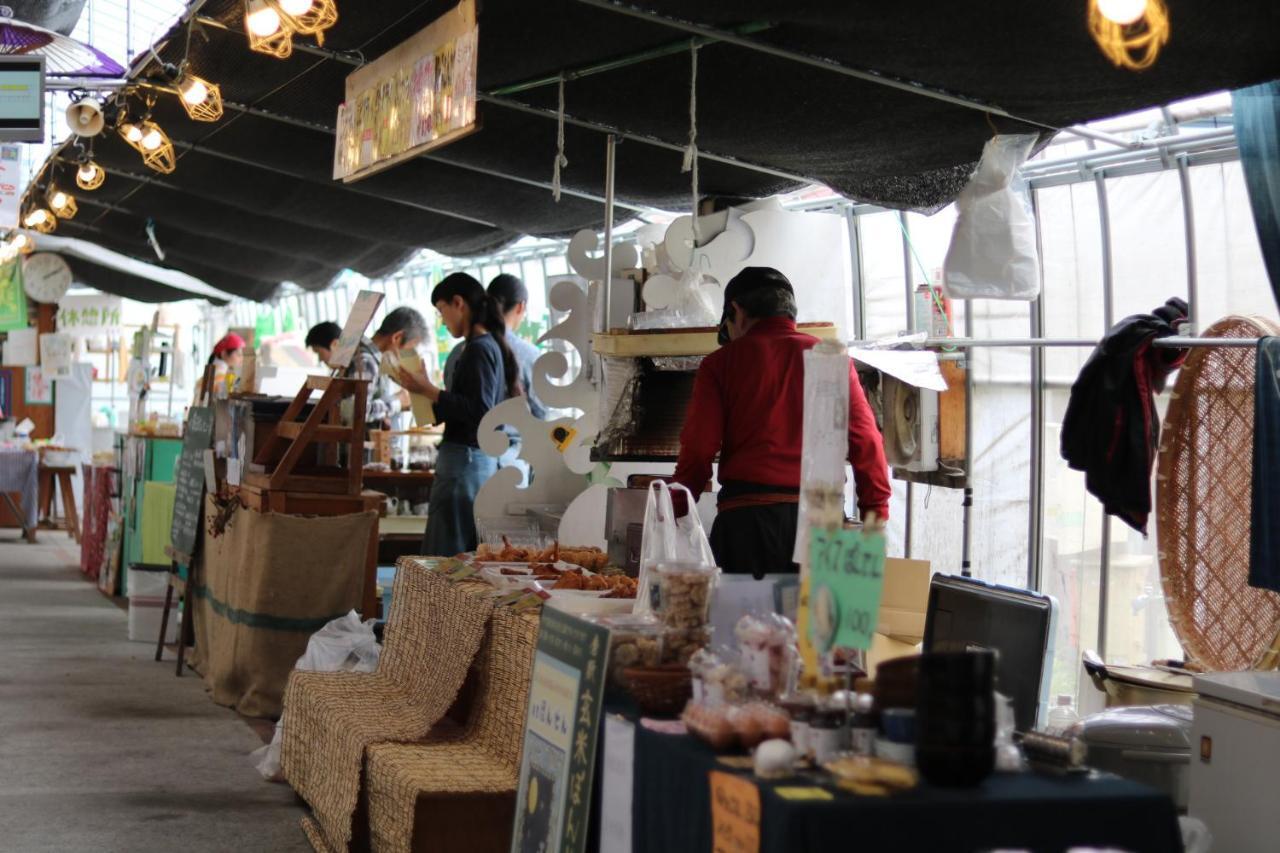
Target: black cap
{"x": 746, "y": 281}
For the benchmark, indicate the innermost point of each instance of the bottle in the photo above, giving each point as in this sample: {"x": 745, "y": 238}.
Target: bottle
{"x": 1063, "y": 715}
{"x": 864, "y": 725}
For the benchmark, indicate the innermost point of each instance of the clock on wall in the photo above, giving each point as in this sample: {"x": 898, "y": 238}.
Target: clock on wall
{"x": 46, "y": 277}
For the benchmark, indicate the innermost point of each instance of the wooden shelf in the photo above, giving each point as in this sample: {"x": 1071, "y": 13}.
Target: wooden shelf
{"x": 674, "y": 343}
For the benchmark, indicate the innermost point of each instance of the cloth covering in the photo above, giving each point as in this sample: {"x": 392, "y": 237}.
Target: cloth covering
{"x": 1111, "y": 429}
{"x": 331, "y": 718}
{"x": 671, "y": 811}
{"x": 1264, "y": 543}
{"x": 97, "y": 509}
{"x": 19, "y": 473}
{"x": 264, "y": 587}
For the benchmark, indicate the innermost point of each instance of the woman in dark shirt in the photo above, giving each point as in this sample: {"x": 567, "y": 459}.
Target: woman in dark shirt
{"x": 486, "y": 375}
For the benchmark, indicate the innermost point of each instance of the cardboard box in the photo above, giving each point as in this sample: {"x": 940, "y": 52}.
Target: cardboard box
{"x": 905, "y": 599}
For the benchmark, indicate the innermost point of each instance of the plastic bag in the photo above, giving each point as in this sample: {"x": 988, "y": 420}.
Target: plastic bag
{"x": 343, "y": 645}
{"x": 668, "y": 539}
{"x": 993, "y": 247}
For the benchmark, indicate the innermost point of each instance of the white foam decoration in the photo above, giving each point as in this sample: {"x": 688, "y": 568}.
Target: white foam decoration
{"x": 733, "y": 242}
{"x": 556, "y": 477}
{"x": 567, "y": 295}
{"x": 584, "y": 261}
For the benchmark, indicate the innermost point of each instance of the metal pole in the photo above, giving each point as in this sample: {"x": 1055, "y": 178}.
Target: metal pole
{"x": 966, "y": 504}
{"x": 1108, "y": 313}
{"x": 1174, "y": 342}
{"x": 1035, "y": 519}
{"x": 859, "y": 284}
{"x": 911, "y": 325}
{"x": 606, "y": 285}
{"x": 1189, "y": 226}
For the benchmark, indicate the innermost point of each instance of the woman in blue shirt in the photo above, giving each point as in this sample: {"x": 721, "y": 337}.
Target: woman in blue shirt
{"x": 487, "y": 373}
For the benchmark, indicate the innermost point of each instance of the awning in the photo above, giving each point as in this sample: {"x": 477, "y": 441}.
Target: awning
{"x": 252, "y": 202}
{"x": 112, "y": 272}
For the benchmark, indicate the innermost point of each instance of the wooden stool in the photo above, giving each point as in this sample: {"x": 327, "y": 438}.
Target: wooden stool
{"x": 54, "y": 478}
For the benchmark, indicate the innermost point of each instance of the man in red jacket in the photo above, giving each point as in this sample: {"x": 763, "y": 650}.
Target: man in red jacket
{"x": 747, "y": 406}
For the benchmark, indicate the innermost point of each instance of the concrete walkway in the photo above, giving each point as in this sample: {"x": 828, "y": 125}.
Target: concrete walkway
{"x": 102, "y": 748}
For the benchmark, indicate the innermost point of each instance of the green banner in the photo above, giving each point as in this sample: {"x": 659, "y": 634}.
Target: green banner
{"x": 562, "y": 725}
{"x": 846, "y": 580}
{"x": 13, "y": 299}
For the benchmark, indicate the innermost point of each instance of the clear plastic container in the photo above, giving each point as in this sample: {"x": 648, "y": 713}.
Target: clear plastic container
{"x": 633, "y": 641}
{"x": 684, "y": 594}
{"x": 1063, "y": 715}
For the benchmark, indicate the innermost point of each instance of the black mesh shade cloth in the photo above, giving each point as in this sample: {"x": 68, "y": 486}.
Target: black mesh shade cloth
{"x": 252, "y": 202}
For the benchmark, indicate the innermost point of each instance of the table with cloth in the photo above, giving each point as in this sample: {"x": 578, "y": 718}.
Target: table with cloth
{"x": 672, "y": 810}
{"x": 19, "y": 473}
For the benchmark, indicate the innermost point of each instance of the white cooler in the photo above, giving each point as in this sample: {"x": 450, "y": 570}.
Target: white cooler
{"x": 1235, "y": 760}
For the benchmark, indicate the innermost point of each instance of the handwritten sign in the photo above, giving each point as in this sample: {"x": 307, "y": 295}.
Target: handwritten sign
{"x": 362, "y": 311}
{"x": 89, "y": 314}
{"x": 56, "y": 355}
{"x": 418, "y": 96}
{"x": 846, "y": 582}
{"x": 553, "y": 803}
{"x": 735, "y": 813}
{"x": 189, "y": 481}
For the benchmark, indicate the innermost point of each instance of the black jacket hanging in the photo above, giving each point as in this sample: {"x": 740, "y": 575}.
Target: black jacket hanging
{"x": 1111, "y": 429}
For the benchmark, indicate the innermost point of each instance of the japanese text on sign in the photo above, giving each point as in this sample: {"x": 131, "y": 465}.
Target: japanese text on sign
{"x": 735, "y": 813}
{"x": 846, "y": 582}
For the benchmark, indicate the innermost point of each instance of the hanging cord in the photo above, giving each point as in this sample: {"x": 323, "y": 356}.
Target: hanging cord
{"x": 561, "y": 160}
{"x": 691, "y": 151}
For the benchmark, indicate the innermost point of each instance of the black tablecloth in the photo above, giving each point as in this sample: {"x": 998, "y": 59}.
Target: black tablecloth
{"x": 672, "y": 811}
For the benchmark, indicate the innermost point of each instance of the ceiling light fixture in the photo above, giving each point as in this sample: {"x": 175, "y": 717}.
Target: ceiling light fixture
{"x": 40, "y": 219}
{"x": 1130, "y": 33}
{"x": 149, "y": 139}
{"x": 201, "y": 99}
{"x": 63, "y": 204}
{"x": 311, "y": 18}
{"x": 266, "y": 31}
{"x": 90, "y": 175}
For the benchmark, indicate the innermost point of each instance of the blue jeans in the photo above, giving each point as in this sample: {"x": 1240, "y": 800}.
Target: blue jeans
{"x": 451, "y": 518}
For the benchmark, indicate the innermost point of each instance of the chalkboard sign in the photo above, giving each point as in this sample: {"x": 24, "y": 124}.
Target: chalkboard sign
{"x": 188, "y": 498}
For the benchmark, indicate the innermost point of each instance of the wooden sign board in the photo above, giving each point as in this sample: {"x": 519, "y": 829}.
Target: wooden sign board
{"x": 362, "y": 311}
{"x": 418, "y": 96}
{"x": 562, "y": 724}
{"x": 189, "y": 481}
{"x": 735, "y": 813}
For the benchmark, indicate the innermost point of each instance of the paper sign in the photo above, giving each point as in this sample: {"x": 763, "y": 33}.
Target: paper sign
{"x": 20, "y": 348}
{"x": 39, "y": 387}
{"x": 11, "y": 185}
{"x": 616, "y": 787}
{"x": 362, "y": 311}
{"x": 424, "y": 413}
{"x": 735, "y": 813}
{"x": 914, "y": 367}
{"x": 13, "y": 299}
{"x": 846, "y": 581}
{"x": 89, "y": 314}
{"x": 55, "y": 355}
{"x": 553, "y": 803}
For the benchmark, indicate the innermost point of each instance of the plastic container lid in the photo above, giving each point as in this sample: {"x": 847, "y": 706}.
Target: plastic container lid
{"x": 1147, "y": 727}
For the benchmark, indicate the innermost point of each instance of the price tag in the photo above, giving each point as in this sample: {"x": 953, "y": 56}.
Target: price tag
{"x": 803, "y": 793}
{"x": 735, "y": 813}
{"x": 846, "y": 582}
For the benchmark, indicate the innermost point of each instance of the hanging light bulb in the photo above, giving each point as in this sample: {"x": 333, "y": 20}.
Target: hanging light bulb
{"x": 201, "y": 99}
{"x": 131, "y": 132}
{"x": 90, "y": 176}
{"x": 296, "y": 7}
{"x": 1122, "y": 11}
{"x": 41, "y": 220}
{"x": 62, "y": 204}
{"x": 152, "y": 140}
{"x": 260, "y": 19}
{"x": 194, "y": 90}
{"x": 22, "y": 243}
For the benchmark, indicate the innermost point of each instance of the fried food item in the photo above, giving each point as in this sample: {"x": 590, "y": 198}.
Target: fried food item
{"x": 571, "y": 580}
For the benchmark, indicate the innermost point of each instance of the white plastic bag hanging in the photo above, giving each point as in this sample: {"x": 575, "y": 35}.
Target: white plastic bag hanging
{"x": 668, "y": 539}
{"x": 993, "y": 247}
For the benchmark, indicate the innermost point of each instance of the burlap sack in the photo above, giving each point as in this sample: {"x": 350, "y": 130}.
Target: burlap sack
{"x": 264, "y": 587}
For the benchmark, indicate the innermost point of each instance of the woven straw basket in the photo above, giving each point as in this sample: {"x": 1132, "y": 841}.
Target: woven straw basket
{"x": 1203, "y": 491}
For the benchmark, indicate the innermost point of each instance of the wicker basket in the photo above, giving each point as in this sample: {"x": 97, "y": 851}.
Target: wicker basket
{"x": 660, "y": 691}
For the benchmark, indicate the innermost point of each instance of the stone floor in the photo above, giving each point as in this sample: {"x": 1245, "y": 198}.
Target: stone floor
{"x": 102, "y": 748}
